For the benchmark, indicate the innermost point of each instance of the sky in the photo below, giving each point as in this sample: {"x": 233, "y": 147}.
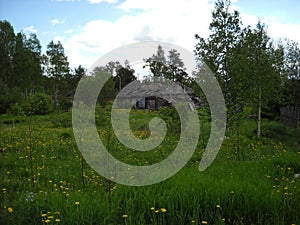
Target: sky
{"x": 90, "y": 28}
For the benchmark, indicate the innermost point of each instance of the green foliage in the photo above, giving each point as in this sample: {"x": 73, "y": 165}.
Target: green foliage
{"x": 38, "y": 104}
{"x": 171, "y": 68}
{"x": 171, "y": 117}
{"x": 102, "y": 115}
{"x": 57, "y": 67}
{"x": 108, "y": 91}
{"x": 17, "y": 109}
{"x": 8, "y": 97}
{"x": 20, "y": 66}
{"x": 275, "y": 131}
{"x": 61, "y": 120}
{"x": 124, "y": 76}
{"x": 278, "y": 131}
{"x": 64, "y": 104}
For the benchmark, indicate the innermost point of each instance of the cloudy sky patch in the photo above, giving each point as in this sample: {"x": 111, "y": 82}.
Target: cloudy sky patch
{"x": 91, "y": 28}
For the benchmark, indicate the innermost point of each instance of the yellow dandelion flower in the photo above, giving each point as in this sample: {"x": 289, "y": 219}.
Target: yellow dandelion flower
{"x": 10, "y": 210}
{"x": 125, "y": 216}
{"x": 77, "y": 203}
{"x": 57, "y": 220}
{"x": 50, "y": 217}
{"x": 156, "y": 211}
{"x": 47, "y": 221}
{"x": 152, "y": 208}
{"x": 163, "y": 210}
{"x": 218, "y": 206}
{"x": 43, "y": 214}
{"x": 204, "y": 222}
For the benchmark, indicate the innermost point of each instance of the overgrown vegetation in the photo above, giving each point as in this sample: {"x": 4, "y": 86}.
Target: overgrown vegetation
{"x": 45, "y": 179}
{"x": 258, "y": 188}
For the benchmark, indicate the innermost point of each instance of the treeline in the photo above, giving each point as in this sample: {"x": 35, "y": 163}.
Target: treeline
{"x": 253, "y": 71}
{"x": 36, "y": 83}
{"x": 27, "y": 76}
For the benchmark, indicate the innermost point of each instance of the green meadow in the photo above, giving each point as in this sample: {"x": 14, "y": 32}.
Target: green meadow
{"x": 45, "y": 180}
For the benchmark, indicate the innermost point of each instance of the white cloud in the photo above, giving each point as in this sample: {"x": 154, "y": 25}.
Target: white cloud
{"x": 70, "y": 31}
{"x": 174, "y": 21}
{"x": 30, "y": 29}
{"x": 288, "y": 30}
{"x": 136, "y": 4}
{"x": 275, "y": 29}
{"x": 177, "y": 25}
{"x": 99, "y": 1}
{"x": 54, "y": 22}
{"x": 58, "y": 38}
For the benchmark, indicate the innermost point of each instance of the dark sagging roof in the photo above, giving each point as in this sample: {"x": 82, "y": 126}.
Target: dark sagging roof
{"x": 158, "y": 89}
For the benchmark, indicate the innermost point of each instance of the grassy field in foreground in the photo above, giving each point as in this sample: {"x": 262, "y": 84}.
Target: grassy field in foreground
{"x": 44, "y": 179}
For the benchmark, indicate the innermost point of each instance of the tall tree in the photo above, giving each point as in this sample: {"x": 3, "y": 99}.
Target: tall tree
{"x": 108, "y": 91}
{"x": 256, "y": 71}
{"x": 70, "y": 82}
{"x": 217, "y": 49}
{"x": 27, "y": 63}
{"x": 7, "y": 47}
{"x": 20, "y": 62}
{"x": 171, "y": 67}
{"x": 34, "y": 49}
{"x": 57, "y": 66}
{"x": 112, "y": 67}
{"x": 176, "y": 70}
{"x": 292, "y": 78}
{"x": 157, "y": 63}
{"x": 265, "y": 77}
{"x": 8, "y": 94}
{"x": 124, "y": 76}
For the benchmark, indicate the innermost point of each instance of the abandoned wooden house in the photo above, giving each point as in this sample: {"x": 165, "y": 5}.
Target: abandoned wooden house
{"x": 153, "y": 95}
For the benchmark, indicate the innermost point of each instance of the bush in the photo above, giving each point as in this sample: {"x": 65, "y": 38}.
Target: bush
{"x": 9, "y": 97}
{"x": 38, "y": 104}
{"x": 64, "y": 104}
{"x": 16, "y": 109}
{"x": 275, "y": 131}
{"x": 171, "y": 117}
{"x": 61, "y": 120}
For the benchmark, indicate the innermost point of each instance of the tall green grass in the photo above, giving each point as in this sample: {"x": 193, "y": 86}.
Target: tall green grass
{"x": 257, "y": 189}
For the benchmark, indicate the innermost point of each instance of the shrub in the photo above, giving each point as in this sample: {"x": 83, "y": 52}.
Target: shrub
{"x": 38, "y": 104}
{"x": 171, "y": 117}
{"x": 8, "y": 97}
{"x": 16, "y": 109}
{"x": 61, "y": 120}
{"x": 275, "y": 131}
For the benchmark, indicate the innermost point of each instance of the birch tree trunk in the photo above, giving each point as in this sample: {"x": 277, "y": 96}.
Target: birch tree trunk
{"x": 259, "y": 111}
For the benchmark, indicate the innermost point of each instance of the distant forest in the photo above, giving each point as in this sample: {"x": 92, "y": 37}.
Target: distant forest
{"x": 253, "y": 70}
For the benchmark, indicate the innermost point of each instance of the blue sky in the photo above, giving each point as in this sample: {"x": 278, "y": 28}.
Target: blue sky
{"x": 90, "y": 28}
